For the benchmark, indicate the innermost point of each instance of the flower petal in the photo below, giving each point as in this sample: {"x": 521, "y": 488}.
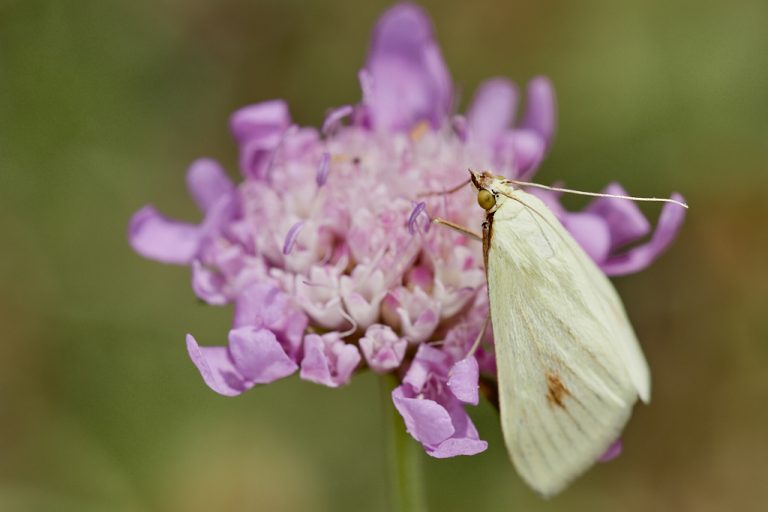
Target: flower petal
{"x": 639, "y": 257}
{"x": 156, "y": 237}
{"x": 258, "y": 355}
{"x": 591, "y": 232}
{"x": 406, "y": 80}
{"x": 527, "y": 147}
{"x": 492, "y": 110}
{"x": 426, "y": 420}
{"x": 625, "y": 221}
{"x": 458, "y": 446}
{"x": 328, "y": 360}
{"x": 382, "y": 348}
{"x": 462, "y": 380}
{"x": 208, "y": 284}
{"x": 208, "y": 183}
{"x": 260, "y": 305}
{"x": 216, "y": 368}
{"x": 540, "y": 110}
{"x": 258, "y": 130}
{"x": 612, "y": 452}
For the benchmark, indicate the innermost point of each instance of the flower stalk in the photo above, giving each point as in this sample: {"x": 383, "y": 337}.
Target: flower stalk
{"x": 407, "y": 492}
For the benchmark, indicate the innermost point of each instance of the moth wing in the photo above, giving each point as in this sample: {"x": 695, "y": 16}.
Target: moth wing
{"x": 569, "y": 365}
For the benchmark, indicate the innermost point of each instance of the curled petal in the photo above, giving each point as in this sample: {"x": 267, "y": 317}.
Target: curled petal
{"x": 541, "y": 109}
{"x": 208, "y": 284}
{"x": 217, "y": 369}
{"x": 463, "y": 381}
{"x": 407, "y": 80}
{"x": 426, "y": 420}
{"x": 492, "y": 110}
{"x": 323, "y": 168}
{"x": 258, "y": 356}
{"x": 439, "y": 423}
{"x": 208, "y": 183}
{"x": 639, "y": 257}
{"x": 328, "y": 360}
{"x": 624, "y": 219}
{"x": 258, "y": 130}
{"x": 334, "y": 117}
{"x": 156, "y": 237}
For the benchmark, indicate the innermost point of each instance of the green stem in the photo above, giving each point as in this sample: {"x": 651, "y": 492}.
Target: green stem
{"x": 406, "y": 480}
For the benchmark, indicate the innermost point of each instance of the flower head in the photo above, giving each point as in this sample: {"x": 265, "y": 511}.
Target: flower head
{"x": 325, "y": 249}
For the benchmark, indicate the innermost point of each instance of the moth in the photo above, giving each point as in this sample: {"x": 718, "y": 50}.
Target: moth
{"x": 569, "y": 365}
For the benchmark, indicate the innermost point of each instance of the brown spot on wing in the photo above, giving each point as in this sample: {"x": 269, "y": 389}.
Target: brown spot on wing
{"x": 556, "y": 391}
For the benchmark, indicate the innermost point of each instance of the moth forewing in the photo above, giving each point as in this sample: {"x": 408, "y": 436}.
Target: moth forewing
{"x": 569, "y": 366}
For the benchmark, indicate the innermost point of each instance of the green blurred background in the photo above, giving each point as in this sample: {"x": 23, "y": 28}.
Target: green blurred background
{"x": 102, "y": 106}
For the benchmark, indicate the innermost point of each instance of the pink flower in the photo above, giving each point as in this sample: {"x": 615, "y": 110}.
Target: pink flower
{"x": 325, "y": 248}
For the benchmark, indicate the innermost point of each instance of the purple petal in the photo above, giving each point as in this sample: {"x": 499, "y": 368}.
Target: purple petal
{"x": 258, "y": 355}
{"x": 217, "y": 369}
{"x": 463, "y": 381}
{"x": 591, "y": 232}
{"x": 639, "y": 257}
{"x": 528, "y": 149}
{"x": 382, "y": 348}
{"x": 426, "y": 420}
{"x": 407, "y": 78}
{"x": 260, "y": 305}
{"x": 334, "y": 117}
{"x": 328, "y": 360}
{"x": 208, "y": 284}
{"x": 428, "y": 360}
{"x": 418, "y": 209}
{"x": 612, "y": 452}
{"x": 458, "y": 446}
{"x": 290, "y": 238}
{"x": 492, "y": 110}
{"x": 208, "y": 183}
{"x": 624, "y": 219}
{"x": 541, "y": 109}
{"x": 258, "y": 130}
{"x": 460, "y": 127}
{"x": 322, "y": 169}
{"x": 156, "y": 237}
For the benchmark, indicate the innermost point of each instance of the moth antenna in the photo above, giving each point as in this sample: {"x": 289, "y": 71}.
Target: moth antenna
{"x": 597, "y": 194}
{"x": 445, "y": 192}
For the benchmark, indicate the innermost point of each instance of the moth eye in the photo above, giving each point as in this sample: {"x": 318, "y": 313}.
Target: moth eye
{"x": 485, "y": 199}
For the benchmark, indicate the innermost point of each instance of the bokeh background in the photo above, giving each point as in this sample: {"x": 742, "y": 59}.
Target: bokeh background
{"x": 104, "y": 103}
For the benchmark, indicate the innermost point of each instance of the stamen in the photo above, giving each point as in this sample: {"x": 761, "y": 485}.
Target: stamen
{"x": 290, "y": 238}
{"x": 418, "y": 209}
{"x": 322, "y": 169}
{"x": 334, "y": 117}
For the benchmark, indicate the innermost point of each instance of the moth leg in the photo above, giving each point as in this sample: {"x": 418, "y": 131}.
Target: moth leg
{"x": 461, "y": 229}
{"x": 480, "y": 335}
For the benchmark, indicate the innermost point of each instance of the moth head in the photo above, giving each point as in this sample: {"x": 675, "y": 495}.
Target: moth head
{"x": 487, "y": 186}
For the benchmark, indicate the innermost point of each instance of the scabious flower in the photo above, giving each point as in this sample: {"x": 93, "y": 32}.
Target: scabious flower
{"x": 325, "y": 249}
